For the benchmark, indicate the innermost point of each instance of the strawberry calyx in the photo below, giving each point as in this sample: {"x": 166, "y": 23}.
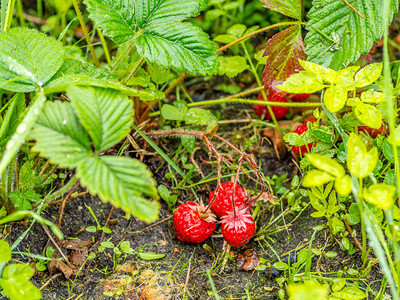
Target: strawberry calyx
{"x": 204, "y": 213}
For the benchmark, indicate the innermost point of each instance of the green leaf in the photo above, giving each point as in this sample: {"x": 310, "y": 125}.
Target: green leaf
{"x": 181, "y": 46}
{"x": 310, "y": 289}
{"x": 5, "y": 252}
{"x": 336, "y": 225}
{"x": 303, "y": 83}
{"x": 15, "y": 282}
{"x": 335, "y": 98}
{"x": 12, "y": 118}
{"x": 232, "y": 66}
{"x": 106, "y": 114}
{"x": 291, "y": 8}
{"x": 170, "y": 112}
{"x": 353, "y": 217}
{"x": 369, "y": 115}
{"x": 343, "y": 185}
{"x": 159, "y": 75}
{"x": 150, "y": 255}
{"x": 360, "y": 162}
{"x": 381, "y": 195}
{"x": 280, "y": 266}
{"x": 63, "y": 83}
{"x": 28, "y": 59}
{"x": 121, "y": 181}
{"x": 283, "y": 52}
{"x": 326, "y": 164}
{"x": 322, "y": 133}
{"x": 198, "y": 116}
{"x": 189, "y": 142}
{"x": 368, "y": 74}
{"x": 59, "y": 135}
{"x": 155, "y": 28}
{"x": 337, "y": 35}
{"x": 350, "y": 293}
{"x": 372, "y": 96}
{"x": 327, "y": 74}
{"x": 316, "y": 178}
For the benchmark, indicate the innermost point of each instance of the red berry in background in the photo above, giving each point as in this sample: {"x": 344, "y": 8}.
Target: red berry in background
{"x": 192, "y": 224}
{"x": 279, "y": 111}
{"x": 238, "y": 228}
{"x": 223, "y": 201}
{"x": 303, "y": 149}
{"x": 301, "y": 97}
{"x": 374, "y": 132}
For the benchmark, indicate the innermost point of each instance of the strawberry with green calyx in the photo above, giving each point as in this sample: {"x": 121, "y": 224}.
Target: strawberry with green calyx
{"x": 193, "y": 223}
{"x": 221, "y": 199}
{"x": 238, "y": 227}
{"x": 304, "y": 148}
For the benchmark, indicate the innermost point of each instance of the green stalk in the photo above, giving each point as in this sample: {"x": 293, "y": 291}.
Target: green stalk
{"x": 20, "y": 13}
{"x": 271, "y": 113}
{"x": 103, "y": 42}
{"x": 39, "y": 7}
{"x": 10, "y": 10}
{"x": 84, "y": 29}
{"x": 247, "y": 101}
{"x": 133, "y": 71}
{"x": 363, "y": 235}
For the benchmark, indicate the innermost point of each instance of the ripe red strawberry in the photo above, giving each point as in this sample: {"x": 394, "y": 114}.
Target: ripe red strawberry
{"x": 303, "y": 149}
{"x": 192, "y": 224}
{"x": 238, "y": 229}
{"x": 300, "y": 97}
{"x": 223, "y": 201}
{"x": 279, "y": 111}
{"x": 374, "y": 132}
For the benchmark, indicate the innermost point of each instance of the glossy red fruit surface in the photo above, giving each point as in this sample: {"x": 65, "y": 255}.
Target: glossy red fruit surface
{"x": 191, "y": 224}
{"x": 279, "y": 111}
{"x": 223, "y": 201}
{"x": 238, "y": 229}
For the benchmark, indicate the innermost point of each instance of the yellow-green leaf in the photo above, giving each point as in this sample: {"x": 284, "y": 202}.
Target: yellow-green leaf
{"x": 346, "y": 76}
{"x": 368, "y": 74}
{"x": 381, "y": 195}
{"x": 327, "y": 74}
{"x": 343, "y": 185}
{"x": 369, "y": 115}
{"x": 394, "y": 137}
{"x": 360, "y": 162}
{"x": 335, "y": 98}
{"x": 326, "y": 164}
{"x": 372, "y": 96}
{"x": 353, "y": 101}
{"x": 316, "y": 178}
{"x": 303, "y": 83}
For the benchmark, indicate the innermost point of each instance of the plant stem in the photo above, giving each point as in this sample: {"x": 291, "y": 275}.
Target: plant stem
{"x": 84, "y": 29}
{"x": 10, "y": 10}
{"x": 103, "y": 42}
{"x": 133, "y": 71}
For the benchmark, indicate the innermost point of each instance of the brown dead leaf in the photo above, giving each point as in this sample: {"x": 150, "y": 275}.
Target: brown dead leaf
{"x": 248, "y": 259}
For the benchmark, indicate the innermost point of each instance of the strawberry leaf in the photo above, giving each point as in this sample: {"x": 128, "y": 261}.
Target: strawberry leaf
{"x": 283, "y": 52}
{"x": 291, "y": 8}
{"x": 338, "y": 35}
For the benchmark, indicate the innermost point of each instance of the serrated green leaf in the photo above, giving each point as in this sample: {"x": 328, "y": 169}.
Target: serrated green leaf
{"x": 316, "y": 178}
{"x": 291, "y": 8}
{"x": 369, "y": 115}
{"x": 335, "y": 98}
{"x": 322, "y": 133}
{"x": 181, "y": 46}
{"x": 155, "y": 28}
{"x": 28, "y": 59}
{"x": 15, "y": 282}
{"x": 326, "y": 164}
{"x": 121, "y": 181}
{"x": 59, "y": 135}
{"x": 232, "y": 66}
{"x": 106, "y": 114}
{"x": 337, "y": 35}
{"x": 303, "y": 83}
{"x": 283, "y": 52}
{"x": 360, "y": 162}
{"x": 381, "y": 195}
{"x": 368, "y": 74}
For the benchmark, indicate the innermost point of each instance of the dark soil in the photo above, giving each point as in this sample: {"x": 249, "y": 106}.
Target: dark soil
{"x": 181, "y": 274}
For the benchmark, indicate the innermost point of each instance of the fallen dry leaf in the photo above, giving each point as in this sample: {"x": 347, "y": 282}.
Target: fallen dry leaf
{"x": 248, "y": 259}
